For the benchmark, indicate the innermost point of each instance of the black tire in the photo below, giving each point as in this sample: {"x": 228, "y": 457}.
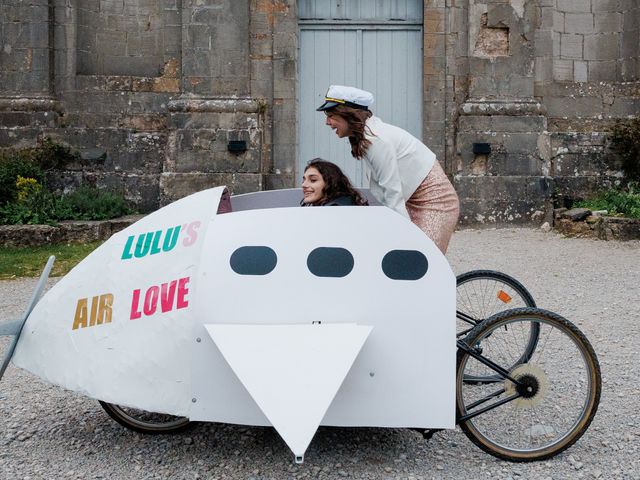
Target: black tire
{"x": 146, "y": 422}
{"x": 559, "y": 392}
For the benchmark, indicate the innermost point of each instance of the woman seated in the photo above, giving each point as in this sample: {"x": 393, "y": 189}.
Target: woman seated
{"x": 324, "y": 184}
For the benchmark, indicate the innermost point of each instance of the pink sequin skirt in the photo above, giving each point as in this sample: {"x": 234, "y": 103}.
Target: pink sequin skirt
{"x": 434, "y": 207}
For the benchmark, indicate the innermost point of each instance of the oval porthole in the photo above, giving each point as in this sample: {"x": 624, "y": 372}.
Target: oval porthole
{"x": 330, "y": 262}
{"x": 405, "y": 265}
{"x": 253, "y": 260}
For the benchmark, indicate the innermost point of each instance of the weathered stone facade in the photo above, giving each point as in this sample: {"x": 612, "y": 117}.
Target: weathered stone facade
{"x": 541, "y": 82}
{"x": 162, "y": 97}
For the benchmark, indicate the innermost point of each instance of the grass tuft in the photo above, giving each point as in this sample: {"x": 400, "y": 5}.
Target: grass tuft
{"x": 29, "y": 261}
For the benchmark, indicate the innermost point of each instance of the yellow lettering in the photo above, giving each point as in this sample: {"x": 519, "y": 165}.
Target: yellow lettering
{"x": 94, "y": 312}
{"x": 104, "y": 312}
{"x": 80, "y": 319}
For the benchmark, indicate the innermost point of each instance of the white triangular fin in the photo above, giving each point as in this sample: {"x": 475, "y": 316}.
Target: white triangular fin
{"x": 291, "y": 371}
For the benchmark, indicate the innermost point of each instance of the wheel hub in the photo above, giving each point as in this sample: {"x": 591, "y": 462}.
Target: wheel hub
{"x": 532, "y": 387}
{"x": 528, "y": 387}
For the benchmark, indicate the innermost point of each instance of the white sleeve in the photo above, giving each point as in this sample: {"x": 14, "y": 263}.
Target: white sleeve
{"x": 386, "y": 174}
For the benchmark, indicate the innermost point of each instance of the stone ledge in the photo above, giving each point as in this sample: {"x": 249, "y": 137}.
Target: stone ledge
{"x": 64, "y": 232}
{"x": 596, "y": 226}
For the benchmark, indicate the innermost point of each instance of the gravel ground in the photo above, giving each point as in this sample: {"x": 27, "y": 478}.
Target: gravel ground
{"x": 46, "y": 432}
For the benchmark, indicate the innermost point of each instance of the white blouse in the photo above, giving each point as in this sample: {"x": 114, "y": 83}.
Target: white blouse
{"x": 397, "y": 163}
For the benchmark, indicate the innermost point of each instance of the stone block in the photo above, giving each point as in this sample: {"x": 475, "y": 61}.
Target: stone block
{"x": 603, "y": 71}
{"x": 630, "y": 20}
{"x": 601, "y": 46}
{"x": 284, "y": 158}
{"x": 576, "y": 214}
{"x": 503, "y": 200}
{"x": 606, "y": 22}
{"x": 573, "y": 229}
{"x": 628, "y": 69}
{"x": 525, "y": 143}
{"x": 582, "y": 23}
{"x": 198, "y": 37}
{"x": 571, "y": 46}
{"x": 475, "y": 123}
{"x": 19, "y": 137}
{"x": 434, "y": 45}
{"x": 515, "y": 124}
{"x": 174, "y": 186}
{"x": 625, "y": 107}
{"x": 581, "y": 186}
{"x": 580, "y": 71}
{"x": 615, "y": 228}
{"x": 563, "y": 70}
{"x": 574, "y": 107}
{"x": 555, "y": 37}
{"x": 543, "y": 69}
{"x": 113, "y": 7}
{"x": 515, "y": 86}
{"x": 434, "y": 20}
{"x": 630, "y": 46}
{"x": 526, "y": 163}
{"x": 143, "y": 191}
{"x": 279, "y": 181}
{"x": 579, "y": 164}
{"x": 143, "y": 66}
{"x": 574, "y": 6}
{"x": 605, "y": 5}
{"x": 14, "y": 119}
{"x": 543, "y": 43}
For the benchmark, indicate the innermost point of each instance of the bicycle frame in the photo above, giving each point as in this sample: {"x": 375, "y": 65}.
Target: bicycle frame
{"x": 504, "y": 374}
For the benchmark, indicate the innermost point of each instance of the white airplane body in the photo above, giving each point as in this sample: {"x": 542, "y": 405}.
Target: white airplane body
{"x": 292, "y": 317}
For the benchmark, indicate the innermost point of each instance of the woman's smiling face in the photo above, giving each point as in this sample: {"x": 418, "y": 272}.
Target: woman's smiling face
{"x": 312, "y": 185}
{"x": 338, "y": 124}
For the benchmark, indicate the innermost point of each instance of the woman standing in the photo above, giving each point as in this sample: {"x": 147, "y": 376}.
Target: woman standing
{"x": 404, "y": 174}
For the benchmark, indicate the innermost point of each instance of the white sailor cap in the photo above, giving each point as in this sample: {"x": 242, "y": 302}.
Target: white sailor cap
{"x": 348, "y": 96}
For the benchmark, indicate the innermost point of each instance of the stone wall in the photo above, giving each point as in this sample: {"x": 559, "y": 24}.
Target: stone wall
{"x": 588, "y": 83}
{"x": 162, "y": 98}
{"x": 540, "y": 83}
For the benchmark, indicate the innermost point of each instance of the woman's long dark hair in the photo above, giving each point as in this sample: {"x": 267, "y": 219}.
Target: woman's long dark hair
{"x": 356, "y": 118}
{"x": 336, "y": 183}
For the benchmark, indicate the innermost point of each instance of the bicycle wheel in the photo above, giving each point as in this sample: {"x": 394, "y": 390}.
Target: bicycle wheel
{"x": 146, "y": 422}
{"x": 550, "y": 400}
{"x": 483, "y": 293}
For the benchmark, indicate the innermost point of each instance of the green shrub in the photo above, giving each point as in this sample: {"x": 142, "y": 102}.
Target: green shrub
{"x": 625, "y": 139}
{"x": 10, "y": 169}
{"x": 622, "y": 202}
{"x": 91, "y": 204}
{"x": 31, "y": 163}
{"x": 25, "y": 199}
{"x": 45, "y": 207}
{"x": 41, "y": 207}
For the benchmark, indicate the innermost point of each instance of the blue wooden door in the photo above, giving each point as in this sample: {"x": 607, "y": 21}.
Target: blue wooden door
{"x": 372, "y": 45}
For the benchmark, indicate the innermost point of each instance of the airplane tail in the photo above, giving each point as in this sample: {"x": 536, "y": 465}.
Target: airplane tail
{"x": 14, "y": 327}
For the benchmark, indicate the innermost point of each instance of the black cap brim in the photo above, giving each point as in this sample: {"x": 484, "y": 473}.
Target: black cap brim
{"x": 327, "y": 106}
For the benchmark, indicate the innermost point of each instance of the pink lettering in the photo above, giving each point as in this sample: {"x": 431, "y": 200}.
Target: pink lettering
{"x": 171, "y": 295}
{"x": 151, "y": 301}
{"x": 192, "y": 234}
{"x": 135, "y": 301}
{"x": 167, "y": 294}
{"x": 182, "y": 291}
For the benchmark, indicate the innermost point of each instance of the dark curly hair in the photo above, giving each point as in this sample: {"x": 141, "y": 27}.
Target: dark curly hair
{"x": 356, "y": 118}
{"x": 337, "y": 184}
